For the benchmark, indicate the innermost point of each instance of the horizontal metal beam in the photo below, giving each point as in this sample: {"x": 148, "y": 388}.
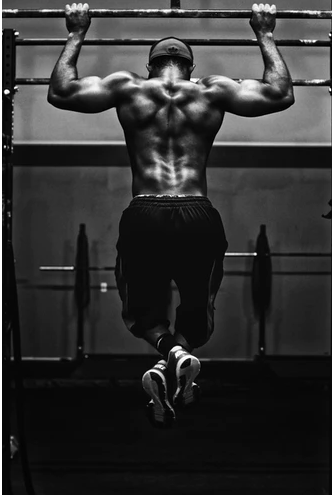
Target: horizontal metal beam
{"x": 174, "y": 13}
{"x": 296, "y": 82}
{"x": 72, "y": 268}
{"x": 148, "y": 42}
{"x": 104, "y": 287}
{"x": 301, "y": 255}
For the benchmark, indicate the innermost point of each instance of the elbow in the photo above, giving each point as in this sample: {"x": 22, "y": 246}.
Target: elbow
{"x": 57, "y": 100}
{"x": 283, "y": 97}
{"x": 289, "y": 100}
{"x": 290, "y": 96}
{"x": 286, "y": 100}
{"x": 52, "y": 97}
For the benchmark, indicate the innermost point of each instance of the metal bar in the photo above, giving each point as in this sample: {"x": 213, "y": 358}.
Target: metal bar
{"x": 261, "y": 336}
{"x": 71, "y": 268}
{"x": 150, "y": 41}
{"x": 82, "y": 286}
{"x": 11, "y": 288}
{"x": 330, "y": 43}
{"x": 301, "y": 255}
{"x": 105, "y": 287}
{"x": 240, "y": 255}
{"x": 28, "y": 359}
{"x": 175, "y": 13}
{"x": 26, "y": 81}
{"x": 80, "y": 334}
{"x": 8, "y": 93}
{"x": 238, "y": 273}
{"x": 8, "y": 319}
{"x": 57, "y": 268}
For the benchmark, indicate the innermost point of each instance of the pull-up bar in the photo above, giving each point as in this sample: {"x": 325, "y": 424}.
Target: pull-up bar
{"x": 175, "y": 13}
{"x": 148, "y": 42}
{"x": 41, "y": 81}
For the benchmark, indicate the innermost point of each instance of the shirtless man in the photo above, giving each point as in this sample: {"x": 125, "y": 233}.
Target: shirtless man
{"x": 170, "y": 231}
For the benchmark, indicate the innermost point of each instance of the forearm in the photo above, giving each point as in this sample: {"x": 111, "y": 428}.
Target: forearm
{"x": 276, "y": 73}
{"x": 65, "y": 70}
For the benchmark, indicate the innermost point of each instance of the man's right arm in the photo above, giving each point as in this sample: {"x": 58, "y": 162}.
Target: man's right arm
{"x": 251, "y": 98}
{"x": 88, "y": 94}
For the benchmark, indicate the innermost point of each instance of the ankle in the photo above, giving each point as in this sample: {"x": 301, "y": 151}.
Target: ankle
{"x": 183, "y": 342}
{"x": 165, "y": 344}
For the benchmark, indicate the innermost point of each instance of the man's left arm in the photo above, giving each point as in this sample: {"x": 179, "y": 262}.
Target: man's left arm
{"x": 251, "y": 98}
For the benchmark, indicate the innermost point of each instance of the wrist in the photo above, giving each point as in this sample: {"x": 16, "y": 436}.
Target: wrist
{"x": 264, "y": 35}
{"x": 78, "y": 35}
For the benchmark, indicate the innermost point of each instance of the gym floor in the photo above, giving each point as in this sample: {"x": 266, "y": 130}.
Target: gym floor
{"x": 254, "y": 431}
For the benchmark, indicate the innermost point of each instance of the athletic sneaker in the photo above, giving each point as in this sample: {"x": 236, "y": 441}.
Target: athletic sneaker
{"x": 159, "y": 410}
{"x": 185, "y": 367}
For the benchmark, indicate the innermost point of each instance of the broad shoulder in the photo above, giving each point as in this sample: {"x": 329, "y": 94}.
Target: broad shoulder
{"x": 123, "y": 79}
{"x": 215, "y": 81}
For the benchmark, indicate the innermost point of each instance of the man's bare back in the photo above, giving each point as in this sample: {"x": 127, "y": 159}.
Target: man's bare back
{"x": 169, "y": 126}
{"x": 169, "y": 121}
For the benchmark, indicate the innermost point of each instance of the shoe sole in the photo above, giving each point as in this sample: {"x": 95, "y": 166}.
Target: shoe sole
{"x": 187, "y": 392}
{"x": 159, "y": 410}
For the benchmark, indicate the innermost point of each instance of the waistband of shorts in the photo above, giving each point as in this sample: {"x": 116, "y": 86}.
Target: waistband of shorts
{"x": 169, "y": 200}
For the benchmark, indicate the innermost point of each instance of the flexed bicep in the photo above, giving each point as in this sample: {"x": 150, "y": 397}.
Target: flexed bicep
{"x": 247, "y": 98}
{"x": 87, "y": 95}
{"x": 92, "y": 94}
{"x": 252, "y": 98}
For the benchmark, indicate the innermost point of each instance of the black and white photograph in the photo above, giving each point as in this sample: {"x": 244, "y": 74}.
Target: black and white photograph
{"x": 166, "y": 247}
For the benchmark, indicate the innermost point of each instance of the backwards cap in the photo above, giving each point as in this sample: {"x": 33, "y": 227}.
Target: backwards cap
{"x": 171, "y": 47}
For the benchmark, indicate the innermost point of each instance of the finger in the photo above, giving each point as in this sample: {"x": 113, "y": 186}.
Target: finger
{"x": 273, "y": 9}
{"x": 254, "y": 7}
{"x": 86, "y": 6}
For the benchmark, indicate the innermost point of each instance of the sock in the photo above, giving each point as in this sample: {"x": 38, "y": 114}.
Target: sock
{"x": 182, "y": 342}
{"x": 165, "y": 343}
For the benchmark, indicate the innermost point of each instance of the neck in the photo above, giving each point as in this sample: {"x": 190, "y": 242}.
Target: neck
{"x": 171, "y": 72}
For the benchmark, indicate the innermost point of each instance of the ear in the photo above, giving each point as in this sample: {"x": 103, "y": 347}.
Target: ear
{"x": 149, "y": 68}
{"x": 192, "y": 68}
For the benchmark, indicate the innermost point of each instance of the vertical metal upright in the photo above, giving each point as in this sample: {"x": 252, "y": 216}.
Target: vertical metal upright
{"x": 11, "y": 324}
{"x": 8, "y": 91}
{"x": 330, "y": 88}
{"x": 261, "y": 285}
{"x": 82, "y": 287}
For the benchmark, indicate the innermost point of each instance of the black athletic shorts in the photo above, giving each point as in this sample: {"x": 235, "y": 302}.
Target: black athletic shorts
{"x": 164, "y": 238}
